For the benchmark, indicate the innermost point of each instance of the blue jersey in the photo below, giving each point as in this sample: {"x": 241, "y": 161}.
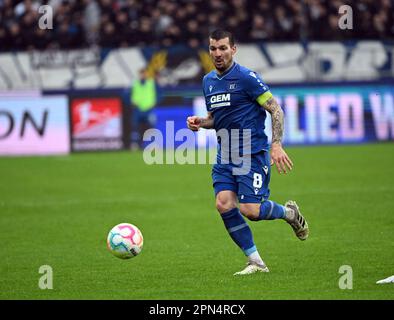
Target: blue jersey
{"x": 231, "y": 99}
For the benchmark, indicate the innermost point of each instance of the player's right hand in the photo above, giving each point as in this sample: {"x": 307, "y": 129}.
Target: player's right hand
{"x": 193, "y": 123}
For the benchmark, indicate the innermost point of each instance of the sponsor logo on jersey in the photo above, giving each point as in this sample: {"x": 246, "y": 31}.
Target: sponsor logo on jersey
{"x": 220, "y": 100}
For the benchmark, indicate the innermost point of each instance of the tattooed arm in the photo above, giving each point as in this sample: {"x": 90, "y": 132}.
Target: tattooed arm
{"x": 277, "y": 120}
{"x": 278, "y": 155}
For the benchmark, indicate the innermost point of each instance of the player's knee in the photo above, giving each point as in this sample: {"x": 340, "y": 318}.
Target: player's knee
{"x": 250, "y": 210}
{"x": 223, "y": 205}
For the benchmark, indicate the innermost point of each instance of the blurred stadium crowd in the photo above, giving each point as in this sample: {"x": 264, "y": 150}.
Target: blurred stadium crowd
{"x": 122, "y": 23}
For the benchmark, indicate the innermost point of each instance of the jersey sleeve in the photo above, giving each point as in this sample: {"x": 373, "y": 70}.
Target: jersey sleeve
{"x": 204, "y": 92}
{"x": 254, "y": 85}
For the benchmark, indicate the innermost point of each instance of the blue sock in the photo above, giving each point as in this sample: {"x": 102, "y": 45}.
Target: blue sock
{"x": 239, "y": 230}
{"x": 270, "y": 210}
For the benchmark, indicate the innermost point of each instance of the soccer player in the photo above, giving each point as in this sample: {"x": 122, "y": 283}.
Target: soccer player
{"x": 237, "y": 99}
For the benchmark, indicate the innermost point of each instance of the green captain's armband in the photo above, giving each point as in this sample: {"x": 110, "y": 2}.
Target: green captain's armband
{"x": 262, "y": 99}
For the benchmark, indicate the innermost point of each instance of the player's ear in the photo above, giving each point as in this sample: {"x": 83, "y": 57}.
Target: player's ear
{"x": 234, "y": 49}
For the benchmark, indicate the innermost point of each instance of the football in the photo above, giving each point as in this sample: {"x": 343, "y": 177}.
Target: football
{"x": 125, "y": 241}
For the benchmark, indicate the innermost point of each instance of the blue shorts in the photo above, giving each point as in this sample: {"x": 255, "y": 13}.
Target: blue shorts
{"x": 250, "y": 188}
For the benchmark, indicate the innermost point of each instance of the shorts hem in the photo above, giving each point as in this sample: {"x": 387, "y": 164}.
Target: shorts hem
{"x": 249, "y": 199}
{"x": 222, "y": 186}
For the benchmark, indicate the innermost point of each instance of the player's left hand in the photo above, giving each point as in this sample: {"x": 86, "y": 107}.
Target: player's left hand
{"x": 280, "y": 158}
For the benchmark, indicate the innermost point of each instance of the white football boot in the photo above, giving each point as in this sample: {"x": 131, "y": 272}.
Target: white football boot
{"x": 297, "y": 222}
{"x": 252, "y": 268}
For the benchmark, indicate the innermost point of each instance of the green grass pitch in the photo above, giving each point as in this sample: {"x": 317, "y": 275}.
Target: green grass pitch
{"x": 57, "y": 211}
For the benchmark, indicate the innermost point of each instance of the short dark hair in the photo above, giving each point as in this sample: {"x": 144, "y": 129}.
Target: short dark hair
{"x": 219, "y": 34}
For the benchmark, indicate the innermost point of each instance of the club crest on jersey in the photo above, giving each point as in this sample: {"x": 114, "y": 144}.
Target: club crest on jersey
{"x": 210, "y": 88}
{"x": 232, "y": 86}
